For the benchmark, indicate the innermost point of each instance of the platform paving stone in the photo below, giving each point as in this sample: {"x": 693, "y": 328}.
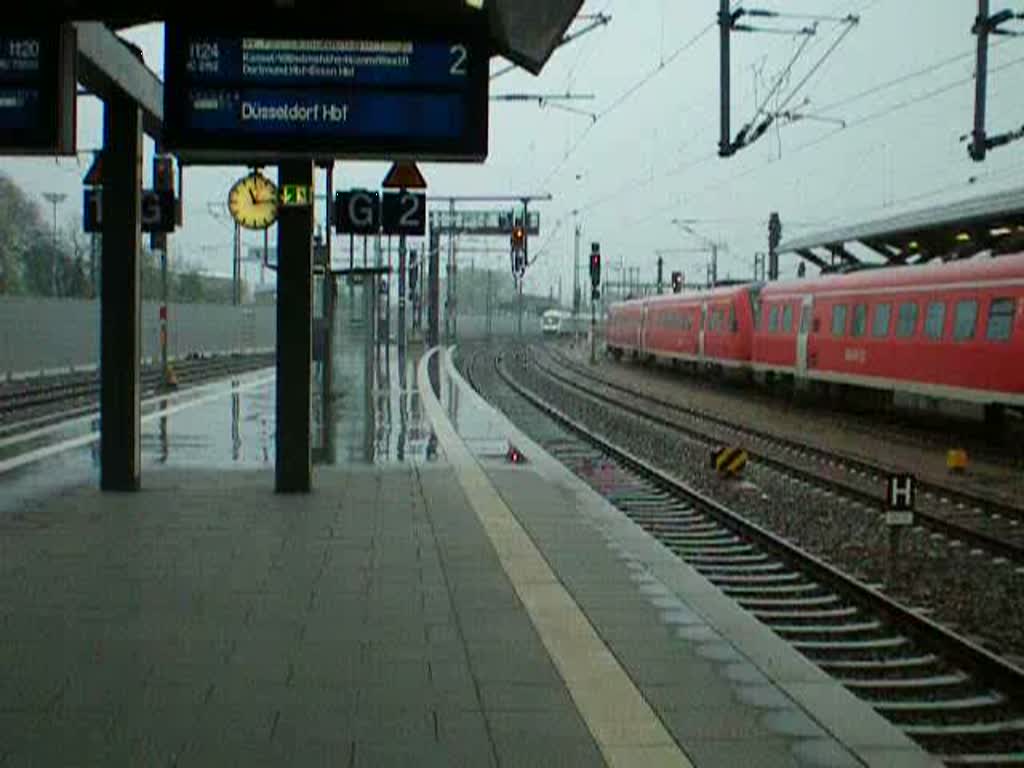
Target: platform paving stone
{"x": 208, "y": 622}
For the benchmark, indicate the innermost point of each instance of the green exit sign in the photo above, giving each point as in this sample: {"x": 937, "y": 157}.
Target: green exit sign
{"x": 296, "y": 195}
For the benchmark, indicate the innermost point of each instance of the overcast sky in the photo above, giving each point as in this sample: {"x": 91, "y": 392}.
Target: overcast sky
{"x": 651, "y": 154}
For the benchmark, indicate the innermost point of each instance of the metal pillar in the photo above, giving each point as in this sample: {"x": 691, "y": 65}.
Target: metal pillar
{"x": 55, "y": 199}
{"x": 453, "y": 302}
{"x": 977, "y": 146}
{"x": 519, "y": 305}
{"x": 593, "y": 329}
{"x": 576, "y": 275}
{"x": 449, "y": 296}
{"x": 330, "y": 299}
{"x": 401, "y": 298}
{"x": 236, "y": 267}
{"x": 724, "y": 28}
{"x": 293, "y": 460}
{"x": 120, "y": 306}
{"x": 490, "y": 306}
{"x": 165, "y": 371}
{"x": 434, "y": 290}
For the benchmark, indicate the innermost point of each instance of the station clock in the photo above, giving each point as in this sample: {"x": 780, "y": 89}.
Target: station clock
{"x": 253, "y": 201}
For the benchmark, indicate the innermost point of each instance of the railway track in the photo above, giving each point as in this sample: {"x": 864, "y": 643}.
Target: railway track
{"x": 978, "y": 521}
{"x": 30, "y": 403}
{"x": 959, "y": 701}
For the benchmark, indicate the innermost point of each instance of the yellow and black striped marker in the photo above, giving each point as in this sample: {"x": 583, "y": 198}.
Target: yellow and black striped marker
{"x": 728, "y": 461}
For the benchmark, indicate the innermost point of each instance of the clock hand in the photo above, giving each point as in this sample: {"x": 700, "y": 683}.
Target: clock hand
{"x": 252, "y": 194}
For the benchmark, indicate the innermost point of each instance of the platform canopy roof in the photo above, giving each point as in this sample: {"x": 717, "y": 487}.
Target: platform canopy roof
{"x": 524, "y": 31}
{"x": 956, "y": 230}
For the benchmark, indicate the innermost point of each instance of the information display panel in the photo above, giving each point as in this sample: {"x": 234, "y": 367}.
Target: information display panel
{"x": 261, "y": 94}
{"x": 37, "y": 89}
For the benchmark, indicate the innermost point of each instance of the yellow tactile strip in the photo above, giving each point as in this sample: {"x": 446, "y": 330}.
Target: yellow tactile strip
{"x": 626, "y": 729}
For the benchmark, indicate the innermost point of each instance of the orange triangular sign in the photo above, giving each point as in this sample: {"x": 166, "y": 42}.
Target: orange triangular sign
{"x": 94, "y": 176}
{"x": 404, "y": 175}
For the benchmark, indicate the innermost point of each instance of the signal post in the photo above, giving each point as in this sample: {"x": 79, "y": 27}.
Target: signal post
{"x": 518, "y": 244}
{"x": 595, "y": 294}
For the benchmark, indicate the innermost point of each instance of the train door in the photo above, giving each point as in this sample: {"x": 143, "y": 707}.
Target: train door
{"x": 643, "y": 330}
{"x": 703, "y": 324}
{"x": 806, "y": 313}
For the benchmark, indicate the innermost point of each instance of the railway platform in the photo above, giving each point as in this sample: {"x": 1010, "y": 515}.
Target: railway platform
{"x": 451, "y": 604}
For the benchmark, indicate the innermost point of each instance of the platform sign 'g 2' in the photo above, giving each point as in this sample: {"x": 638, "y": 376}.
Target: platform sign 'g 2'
{"x": 404, "y": 213}
{"x": 357, "y": 212}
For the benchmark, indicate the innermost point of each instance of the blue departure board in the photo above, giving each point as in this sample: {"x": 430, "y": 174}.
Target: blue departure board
{"x": 258, "y": 95}
{"x": 36, "y": 106}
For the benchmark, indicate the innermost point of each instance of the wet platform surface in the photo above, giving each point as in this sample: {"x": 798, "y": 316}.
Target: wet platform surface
{"x": 374, "y": 416}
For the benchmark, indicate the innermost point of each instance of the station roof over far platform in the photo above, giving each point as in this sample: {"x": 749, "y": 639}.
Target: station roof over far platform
{"x": 958, "y": 230}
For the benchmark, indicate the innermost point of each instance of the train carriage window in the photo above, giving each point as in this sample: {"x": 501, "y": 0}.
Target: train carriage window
{"x": 880, "y": 322}
{"x": 935, "y": 320}
{"x": 734, "y": 325}
{"x": 773, "y": 319}
{"x": 1000, "y": 320}
{"x": 839, "y": 320}
{"x": 860, "y": 320}
{"x": 906, "y": 322}
{"x": 787, "y": 319}
{"x": 965, "y": 319}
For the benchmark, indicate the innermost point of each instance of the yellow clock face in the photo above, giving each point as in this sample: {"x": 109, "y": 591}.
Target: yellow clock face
{"x": 253, "y": 201}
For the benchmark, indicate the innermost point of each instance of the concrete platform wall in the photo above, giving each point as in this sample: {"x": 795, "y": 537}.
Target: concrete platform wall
{"x": 39, "y": 334}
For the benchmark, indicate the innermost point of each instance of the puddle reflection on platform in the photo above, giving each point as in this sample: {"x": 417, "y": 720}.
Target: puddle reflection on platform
{"x": 374, "y": 414}
{"x": 480, "y": 428}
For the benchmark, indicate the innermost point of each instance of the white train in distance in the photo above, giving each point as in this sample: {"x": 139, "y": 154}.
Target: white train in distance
{"x": 559, "y": 322}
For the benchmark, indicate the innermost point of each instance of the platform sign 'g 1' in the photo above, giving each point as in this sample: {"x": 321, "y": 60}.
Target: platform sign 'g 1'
{"x": 264, "y": 93}
{"x": 37, "y": 88}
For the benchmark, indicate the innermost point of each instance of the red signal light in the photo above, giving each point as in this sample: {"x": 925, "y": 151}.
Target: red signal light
{"x": 518, "y": 237}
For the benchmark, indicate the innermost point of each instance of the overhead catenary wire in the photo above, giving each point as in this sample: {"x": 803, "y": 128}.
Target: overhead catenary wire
{"x": 625, "y": 96}
{"x": 881, "y": 113}
{"x": 896, "y": 89}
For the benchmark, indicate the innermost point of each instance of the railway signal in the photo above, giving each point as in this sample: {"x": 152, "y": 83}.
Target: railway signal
{"x": 774, "y": 238}
{"x": 518, "y": 237}
{"x": 595, "y": 296}
{"x": 518, "y": 263}
{"x": 677, "y": 282}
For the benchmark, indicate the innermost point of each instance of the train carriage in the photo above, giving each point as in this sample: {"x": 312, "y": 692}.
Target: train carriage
{"x": 624, "y": 326}
{"x": 948, "y": 331}
{"x": 707, "y": 327}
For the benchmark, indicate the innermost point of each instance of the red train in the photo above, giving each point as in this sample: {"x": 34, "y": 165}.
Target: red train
{"x": 951, "y": 331}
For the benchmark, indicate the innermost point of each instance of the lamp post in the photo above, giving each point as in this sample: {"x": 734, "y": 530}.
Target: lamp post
{"x": 55, "y": 199}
